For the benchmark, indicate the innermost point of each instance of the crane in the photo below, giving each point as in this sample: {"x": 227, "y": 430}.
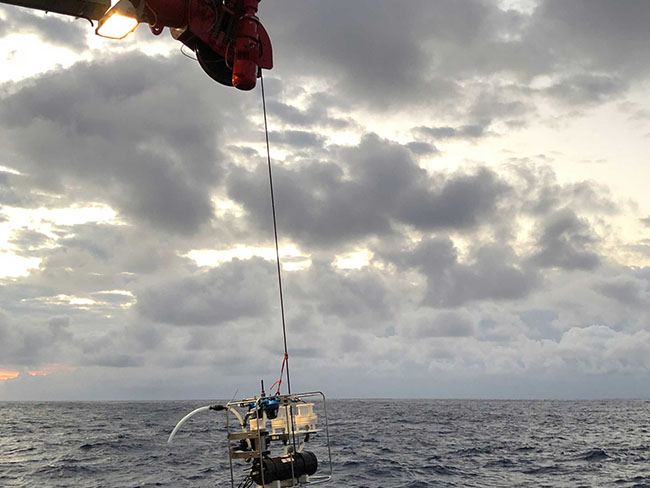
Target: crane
{"x": 231, "y": 44}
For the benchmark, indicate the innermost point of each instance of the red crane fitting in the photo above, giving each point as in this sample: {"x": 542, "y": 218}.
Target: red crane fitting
{"x": 231, "y": 43}
{"x": 244, "y": 73}
{"x": 167, "y": 13}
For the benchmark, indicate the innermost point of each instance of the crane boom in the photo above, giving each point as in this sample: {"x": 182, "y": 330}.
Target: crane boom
{"x": 87, "y": 9}
{"x": 231, "y": 44}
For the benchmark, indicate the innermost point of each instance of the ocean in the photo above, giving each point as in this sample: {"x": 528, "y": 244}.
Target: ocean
{"x": 375, "y": 443}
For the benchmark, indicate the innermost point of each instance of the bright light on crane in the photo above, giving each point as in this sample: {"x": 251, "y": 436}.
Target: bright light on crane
{"x": 119, "y": 21}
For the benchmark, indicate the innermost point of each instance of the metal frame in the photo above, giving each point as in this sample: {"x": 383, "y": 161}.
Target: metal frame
{"x": 288, "y": 402}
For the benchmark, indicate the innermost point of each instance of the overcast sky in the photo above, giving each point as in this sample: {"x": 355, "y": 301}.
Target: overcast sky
{"x": 462, "y": 194}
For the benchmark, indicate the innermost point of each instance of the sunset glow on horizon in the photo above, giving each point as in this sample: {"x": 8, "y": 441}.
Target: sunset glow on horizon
{"x": 45, "y": 370}
{"x": 8, "y": 375}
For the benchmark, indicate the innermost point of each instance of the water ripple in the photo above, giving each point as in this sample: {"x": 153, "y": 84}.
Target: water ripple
{"x": 375, "y": 444}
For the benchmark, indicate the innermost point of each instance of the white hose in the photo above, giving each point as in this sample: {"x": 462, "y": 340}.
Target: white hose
{"x": 239, "y": 417}
{"x": 202, "y": 409}
{"x": 184, "y": 419}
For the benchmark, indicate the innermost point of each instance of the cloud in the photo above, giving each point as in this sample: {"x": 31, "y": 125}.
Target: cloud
{"x": 599, "y": 349}
{"x": 235, "y": 290}
{"x": 445, "y": 324}
{"x": 497, "y": 273}
{"x": 540, "y": 194}
{"x": 102, "y": 129}
{"x": 541, "y": 324}
{"x": 420, "y": 148}
{"x": 116, "y": 361}
{"x": 366, "y": 191}
{"x": 29, "y": 239}
{"x": 360, "y": 299}
{"x": 465, "y": 132}
{"x": 565, "y": 241}
{"x": 489, "y": 273}
{"x": 605, "y": 35}
{"x": 50, "y": 28}
{"x": 297, "y": 138}
{"x": 587, "y": 88}
{"x": 33, "y": 343}
{"x": 627, "y": 292}
{"x": 369, "y": 60}
{"x": 447, "y": 54}
{"x": 15, "y": 191}
{"x": 316, "y": 114}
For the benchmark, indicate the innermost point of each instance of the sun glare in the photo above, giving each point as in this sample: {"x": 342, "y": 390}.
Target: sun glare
{"x": 13, "y": 266}
{"x": 292, "y": 258}
{"x": 25, "y": 55}
{"x": 353, "y": 260}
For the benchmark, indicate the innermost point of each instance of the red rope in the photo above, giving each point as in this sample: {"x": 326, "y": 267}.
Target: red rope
{"x": 279, "y": 382}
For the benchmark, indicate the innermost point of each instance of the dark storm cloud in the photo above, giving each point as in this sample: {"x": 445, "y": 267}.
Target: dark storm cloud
{"x": 51, "y": 28}
{"x": 490, "y": 273}
{"x": 369, "y": 189}
{"x": 645, "y": 221}
{"x": 122, "y": 131}
{"x": 235, "y": 290}
{"x": 566, "y": 242}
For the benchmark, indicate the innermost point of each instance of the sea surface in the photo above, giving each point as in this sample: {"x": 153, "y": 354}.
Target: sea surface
{"x": 374, "y": 443}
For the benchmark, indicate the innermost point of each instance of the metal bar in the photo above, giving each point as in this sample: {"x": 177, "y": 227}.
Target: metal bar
{"x": 232, "y": 472}
{"x": 87, "y": 9}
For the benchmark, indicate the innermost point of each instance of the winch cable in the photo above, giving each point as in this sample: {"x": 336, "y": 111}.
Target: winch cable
{"x": 285, "y": 361}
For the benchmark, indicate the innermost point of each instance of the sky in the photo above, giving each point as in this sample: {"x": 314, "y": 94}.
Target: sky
{"x": 461, "y": 189}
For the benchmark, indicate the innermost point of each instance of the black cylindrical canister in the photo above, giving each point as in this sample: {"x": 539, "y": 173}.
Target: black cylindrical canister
{"x": 280, "y": 469}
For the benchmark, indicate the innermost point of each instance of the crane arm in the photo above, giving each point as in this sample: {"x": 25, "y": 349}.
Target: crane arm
{"x": 87, "y": 9}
